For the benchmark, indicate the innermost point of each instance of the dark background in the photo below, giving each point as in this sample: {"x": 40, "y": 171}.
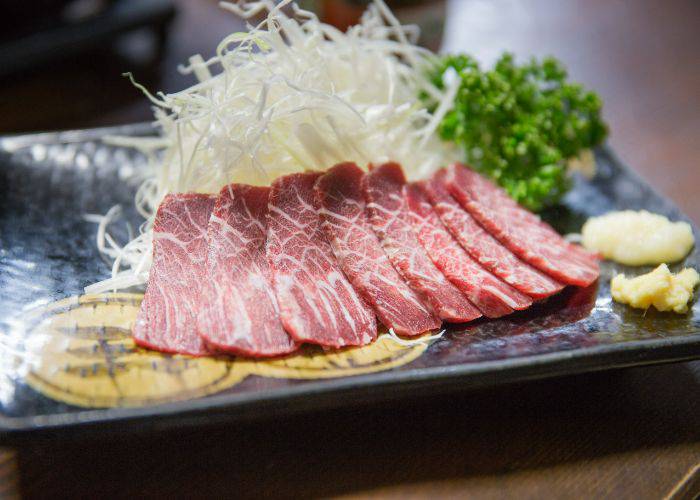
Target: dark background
{"x": 624, "y": 434}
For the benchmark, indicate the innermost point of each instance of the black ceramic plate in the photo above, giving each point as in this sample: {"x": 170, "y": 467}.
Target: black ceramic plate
{"x": 68, "y": 362}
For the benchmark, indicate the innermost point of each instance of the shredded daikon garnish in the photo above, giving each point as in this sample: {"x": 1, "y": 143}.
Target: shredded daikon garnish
{"x": 425, "y": 339}
{"x": 289, "y": 95}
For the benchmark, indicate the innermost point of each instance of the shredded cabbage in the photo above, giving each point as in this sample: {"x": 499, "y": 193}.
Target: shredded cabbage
{"x": 289, "y": 95}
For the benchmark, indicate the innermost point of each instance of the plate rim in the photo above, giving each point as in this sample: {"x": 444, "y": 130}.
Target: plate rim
{"x": 575, "y": 357}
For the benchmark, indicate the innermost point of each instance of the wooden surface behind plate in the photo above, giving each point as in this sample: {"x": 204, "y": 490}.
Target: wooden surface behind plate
{"x": 631, "y": 434}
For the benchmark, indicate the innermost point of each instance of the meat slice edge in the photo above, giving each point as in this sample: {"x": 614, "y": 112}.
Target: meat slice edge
{"x": 521, "y": 231}
{"x": 167, "y": 319}
{"x": 342, "y": 207}
{"x": 390, "y": 219}
{"x": 484, "y": 248}
{"x": 317, "y": 303}
{"x": 491, "y": 295}
{"x": 238, "y": 310}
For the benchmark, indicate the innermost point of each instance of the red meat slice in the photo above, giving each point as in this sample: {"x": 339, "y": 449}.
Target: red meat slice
{"x": 492, "y": 296}
{"x": 524, "y": 233}
{"x": 342, "y": 206}
{"x": 390, "y": 219}
{"x": 237, "y": 308}
{"x": 167, "y": 319}
{"x": 317, "y": 303}
{"x": 484, "y": 248}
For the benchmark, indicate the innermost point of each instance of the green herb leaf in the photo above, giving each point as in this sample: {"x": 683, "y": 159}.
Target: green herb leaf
{"x": 520, "y": 124}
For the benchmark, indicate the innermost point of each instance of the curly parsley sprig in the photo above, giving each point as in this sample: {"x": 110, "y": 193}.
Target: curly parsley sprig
{"x": 520, "y": 124}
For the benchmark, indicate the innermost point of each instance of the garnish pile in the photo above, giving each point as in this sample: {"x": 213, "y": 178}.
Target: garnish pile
{"x": 519, "y": 124}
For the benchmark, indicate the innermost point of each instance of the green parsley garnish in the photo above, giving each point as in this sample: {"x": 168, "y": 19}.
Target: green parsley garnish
{"x": 520, "y": 124}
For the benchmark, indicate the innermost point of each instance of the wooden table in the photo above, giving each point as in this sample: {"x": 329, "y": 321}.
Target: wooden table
{"x": 623, "y": 434}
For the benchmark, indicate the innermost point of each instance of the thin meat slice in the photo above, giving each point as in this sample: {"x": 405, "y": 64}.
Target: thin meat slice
{"x": 237, "y": 309}
{"x": 342, "y": 207}
{"x": 489, "y": 194}
{"x": 484, "y": 248}
{"x": 525, "y": 234}
{"x": 491, "y": 295}
{"x": 317, "y": 303}
{"x": 390, "y": 219}
{"x": 167, "y": 319}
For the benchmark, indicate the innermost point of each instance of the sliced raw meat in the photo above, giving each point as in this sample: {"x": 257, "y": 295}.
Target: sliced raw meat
{"x": 237, "y": 309}
{"x": 492, "y": 296}
{"x": 524, "y": 233}
{"x": 342, "y": 206}
{"x": 390, "y": 219}
{"x": 317, "y": 303}
{"x": 493, "y": 196}
{"x": 168, "y": 316}
{"x": 484, "y": 248}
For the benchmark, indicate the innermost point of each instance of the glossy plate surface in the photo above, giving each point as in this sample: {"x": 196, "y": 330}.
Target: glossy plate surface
{"x": 68, "y": 362}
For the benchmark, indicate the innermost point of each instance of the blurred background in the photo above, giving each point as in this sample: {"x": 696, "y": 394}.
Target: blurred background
{"x": 60, "y": 68}
{"x": 61, "y": 61}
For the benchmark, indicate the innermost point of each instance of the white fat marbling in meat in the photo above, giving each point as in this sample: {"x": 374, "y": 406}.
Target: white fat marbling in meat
{"x": 316, "y": 301}
{"x": 490, "y": 294}
{"x": 340, "y": 199}
{"x": 390, "y": 218}
{"x": 483, "y": 247}
{"x": 167, "y": 319}
{"x": 238, "y": 310}
{"x": 521, "y": 231}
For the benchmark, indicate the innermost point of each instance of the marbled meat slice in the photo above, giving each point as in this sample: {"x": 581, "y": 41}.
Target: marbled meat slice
{"x": 524, "y": 233}
{"x": 484, "y": 248}
{"x": 316, "y": 301}
{"x": 491, "y": 295}
{"x": 492, "y": 195}
{"x": 237, "y": 309}
{"x": 389, "y": 217}
{"x": 167, "y": 320}
{"x": 342, "y": 206}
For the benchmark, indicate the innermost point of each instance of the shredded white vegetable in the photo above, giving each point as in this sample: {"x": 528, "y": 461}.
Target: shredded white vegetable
{"x": 289, "y": 95}
{"x": 426, "y": 339}
{"x": 573, "y": 237}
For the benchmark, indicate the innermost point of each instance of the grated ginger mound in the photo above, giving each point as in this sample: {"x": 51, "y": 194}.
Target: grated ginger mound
{"x": 659, "y": 288}
{"x": 637, "y": 238}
